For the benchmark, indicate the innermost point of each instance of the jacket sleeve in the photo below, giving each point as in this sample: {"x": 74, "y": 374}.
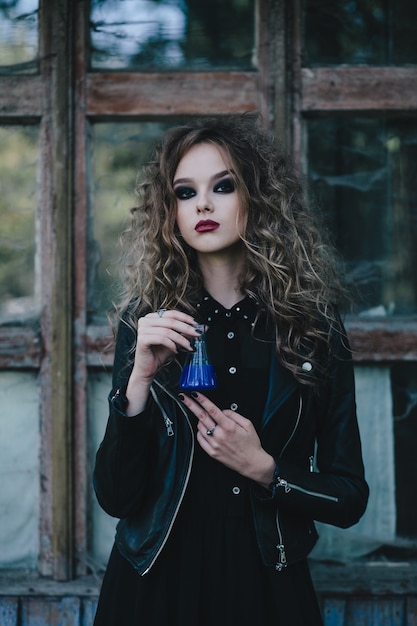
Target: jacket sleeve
{"x": 125, "y": 454}
{"x": 336, "y": 492}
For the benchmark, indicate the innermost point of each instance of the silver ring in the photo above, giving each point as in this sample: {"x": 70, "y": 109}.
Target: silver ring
{"x": 161, "y": 312}
{"x": 210, "y": 431}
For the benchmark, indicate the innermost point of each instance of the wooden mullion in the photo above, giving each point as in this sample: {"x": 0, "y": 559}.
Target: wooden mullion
{"x": 124, "y": 94}
{"x": 20, "y": 97}
{"x": 20, "y": 347}
{"x": 371, "y": 340}
{"x": 359, "y": 89}
{"x": 80, "y": 226}
{"x": 56, "y": 524}
{"x": 376, "y": 340}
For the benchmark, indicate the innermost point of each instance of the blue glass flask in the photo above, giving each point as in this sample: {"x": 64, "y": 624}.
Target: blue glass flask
{"x": 198, "y": 373}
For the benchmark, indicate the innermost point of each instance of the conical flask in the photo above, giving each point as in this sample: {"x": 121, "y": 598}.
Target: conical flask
{"x": 198, "y": 373}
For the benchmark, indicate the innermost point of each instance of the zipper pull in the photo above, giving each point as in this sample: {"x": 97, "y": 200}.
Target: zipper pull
{"x": 283, "y": 483}
{"x": 311, "y": 458}
{"x": 115, "y": 395}
{"x": 168, "y": 425}
{"x": 282, "y": 558}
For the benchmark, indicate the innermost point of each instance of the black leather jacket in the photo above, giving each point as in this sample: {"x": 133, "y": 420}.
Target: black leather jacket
{"x": 143, "y": 463}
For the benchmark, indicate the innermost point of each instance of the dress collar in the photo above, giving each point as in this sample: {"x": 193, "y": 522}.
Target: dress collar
{"x": 210, "y": 311}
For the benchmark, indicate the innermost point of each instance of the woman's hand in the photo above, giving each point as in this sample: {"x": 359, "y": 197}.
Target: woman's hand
{"x": 231, "y": 439}
{"x": 160, "y": 335}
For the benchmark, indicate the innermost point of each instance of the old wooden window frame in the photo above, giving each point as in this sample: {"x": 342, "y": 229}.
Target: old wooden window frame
{"x": 64, "y": 98}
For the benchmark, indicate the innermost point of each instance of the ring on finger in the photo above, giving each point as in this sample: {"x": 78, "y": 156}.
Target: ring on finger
{"x": 161, "y": 312}
{"x": 210, "y": 431}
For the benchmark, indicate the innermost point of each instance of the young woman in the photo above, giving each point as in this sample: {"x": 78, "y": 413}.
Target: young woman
{"x": 217, "y": 491}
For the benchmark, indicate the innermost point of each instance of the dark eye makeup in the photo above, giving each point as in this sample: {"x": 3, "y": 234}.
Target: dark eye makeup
{"x": 226, "y": 185}
{"x": 184, "y": 192}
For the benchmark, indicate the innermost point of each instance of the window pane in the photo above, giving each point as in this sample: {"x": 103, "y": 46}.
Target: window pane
{"x": 118, "y": 152}
{"x": 362, "y": 173}
{"x": 373, "y": 32}
{"x": 19, "y": 470}
{"x": 19, "y": 36}
{"x": 102, "y": 525}
{"x": 172, "y": 34}
{"x": 387, "y": 414}
{"x": 18, "y": 203}
{"x": 404, "y": 390}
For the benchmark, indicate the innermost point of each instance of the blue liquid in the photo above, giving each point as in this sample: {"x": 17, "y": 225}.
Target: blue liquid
{"x": 198, "y": 377}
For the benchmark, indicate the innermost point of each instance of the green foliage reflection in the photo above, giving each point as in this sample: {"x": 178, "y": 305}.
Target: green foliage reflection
{"x": 18, "y": 201}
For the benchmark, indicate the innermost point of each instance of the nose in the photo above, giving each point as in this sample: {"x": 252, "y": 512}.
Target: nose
{"x": 203, "y": 204}
{"x": 203, "y": 208}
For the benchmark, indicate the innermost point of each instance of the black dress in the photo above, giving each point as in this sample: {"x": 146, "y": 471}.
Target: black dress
{"x": 210, "y": 572}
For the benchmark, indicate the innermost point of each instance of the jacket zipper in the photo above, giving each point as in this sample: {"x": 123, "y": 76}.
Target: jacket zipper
{"x": 282, "y": 557}
{"x": 168, "y": 422}
{"x": 187, "y": 475}
{"x": 115, "y": 395}
{"x": 288, "y": 486}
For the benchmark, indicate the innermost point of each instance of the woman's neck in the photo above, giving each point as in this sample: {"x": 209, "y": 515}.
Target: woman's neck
{"x": 221, "y": 280}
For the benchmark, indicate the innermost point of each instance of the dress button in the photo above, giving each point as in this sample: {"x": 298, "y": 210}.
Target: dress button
{"x": 236, "y": 491}
{"x": 228, "y": 314}
{"x": 230, "y": 335}
{"x": 232, "y": 370}
{"x": 234, "y": 406}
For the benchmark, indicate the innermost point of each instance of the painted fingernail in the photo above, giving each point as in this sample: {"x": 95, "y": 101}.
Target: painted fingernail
{"x": 194, "y": 394}
{"x": 181, "y": 396}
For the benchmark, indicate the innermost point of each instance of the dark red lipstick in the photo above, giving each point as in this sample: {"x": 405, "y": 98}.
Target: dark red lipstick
{"x": 205, "y": 226}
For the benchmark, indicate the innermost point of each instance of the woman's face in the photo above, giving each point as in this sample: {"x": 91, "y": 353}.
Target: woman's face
{"x": 209, "y": 211}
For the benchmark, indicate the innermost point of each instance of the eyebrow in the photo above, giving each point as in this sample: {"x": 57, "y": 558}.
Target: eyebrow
{"x": 214, "y": 177}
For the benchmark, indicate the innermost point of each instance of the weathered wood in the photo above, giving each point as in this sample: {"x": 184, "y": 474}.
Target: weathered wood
{"x": 9, "y": 611}
{"x": 411, "y": 611}
{"x": 371, "y": 340}
{"x": 89, "y": 611}
{"x": 14, "y": 583}
{"x": 20, "y": 347}
{"x": 359, "y": 89}
{"x": 375, "y": 612}
{"x": 333, "y": 610}
{"x": 56, "y": 42}
{"x": 53, "y": 612}
{"x": 177, "y": 93}
{"x": 383, "y": 340}
{"x": 365, "y": 579}
{"x": 20, "y": 97}
{"x": 100, "y": 346}
{"x": 80, "y": 227}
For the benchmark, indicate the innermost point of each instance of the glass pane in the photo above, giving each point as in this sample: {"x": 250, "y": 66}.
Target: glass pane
{"x": 118, "y": 152}
{"x": 404, "y": 388}
{"x": 362, "y": 173}
{"x": 19, "y": 36}
{"x": 102, "y": 525}
{"x": 387, "y": 414}
{"x": 372, "y": 32}
{"x": 172, "y": 34}
{"x": 19, "y": 470}
{"x": 18, "y": 204}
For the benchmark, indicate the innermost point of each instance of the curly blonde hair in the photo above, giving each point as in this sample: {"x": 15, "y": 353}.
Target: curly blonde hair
{"x": 288, "y": 266}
